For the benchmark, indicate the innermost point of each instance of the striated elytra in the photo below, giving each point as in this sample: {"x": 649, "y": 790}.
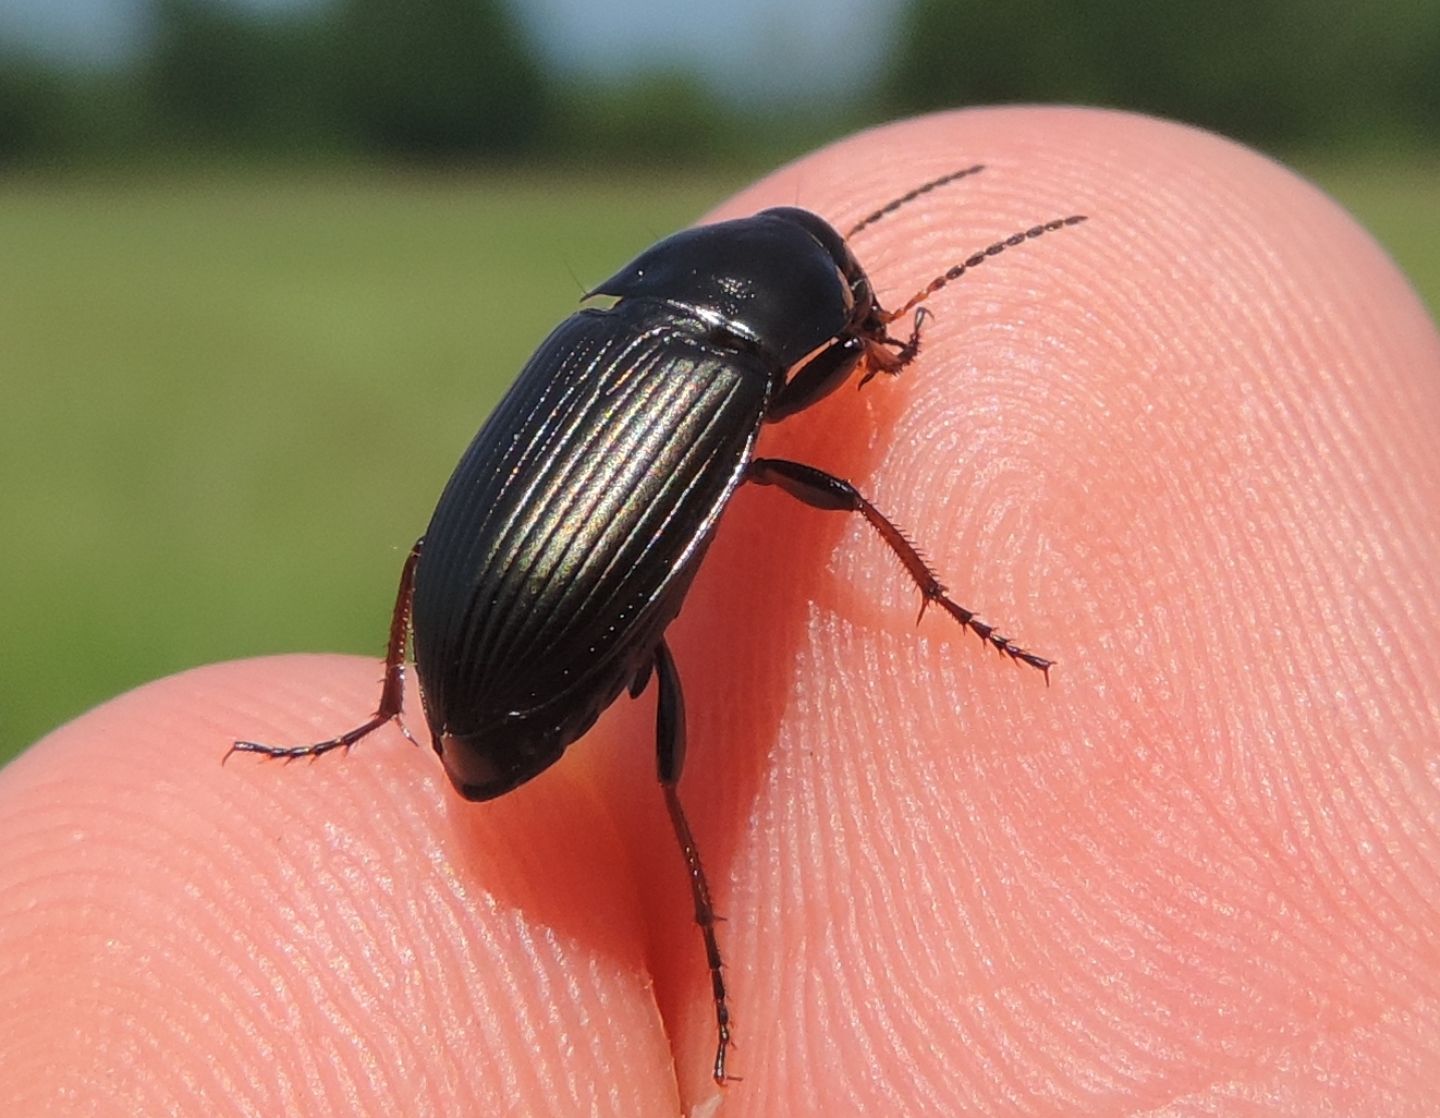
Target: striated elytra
{"x": 568, "y": 535}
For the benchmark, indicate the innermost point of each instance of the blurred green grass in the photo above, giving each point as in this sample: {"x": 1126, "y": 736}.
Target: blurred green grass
{"x": 230, "y": 398}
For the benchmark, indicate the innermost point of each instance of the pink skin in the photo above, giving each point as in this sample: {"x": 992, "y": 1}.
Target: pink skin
{"x": 1187, "y": 449}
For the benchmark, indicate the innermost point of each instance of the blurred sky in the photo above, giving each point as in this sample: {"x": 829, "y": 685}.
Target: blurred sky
{"x": 749, "y": 50}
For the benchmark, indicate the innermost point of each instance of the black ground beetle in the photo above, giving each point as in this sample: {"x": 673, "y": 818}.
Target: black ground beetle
{"x": 565, "y": 541}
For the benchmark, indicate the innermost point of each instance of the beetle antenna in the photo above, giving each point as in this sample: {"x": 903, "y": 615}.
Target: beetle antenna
{"x": 979, "y": 258}
{"x": 923, "y": 188}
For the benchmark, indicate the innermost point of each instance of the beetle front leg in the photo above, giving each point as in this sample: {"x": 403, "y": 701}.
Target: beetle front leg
{"x": 392, "y": 691}
{"x": 670, "y": 758}
{"x": 829, "y": 368}
{"x": 817, "y": 378}
{"x": 905, "y": 352}
{"x": 825, "y": 491}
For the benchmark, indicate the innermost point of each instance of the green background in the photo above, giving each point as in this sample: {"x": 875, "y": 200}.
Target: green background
{"x": 231, "y": 397}
{"x": 263, "y": 274}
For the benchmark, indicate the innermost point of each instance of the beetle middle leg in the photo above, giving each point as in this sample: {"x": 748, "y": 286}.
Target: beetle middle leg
{"x": 825, "y": 491}
{"x": 392, "y": 691}
{"x": 670, "y": 758}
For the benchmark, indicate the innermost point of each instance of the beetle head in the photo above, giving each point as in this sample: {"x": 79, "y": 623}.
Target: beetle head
{"x": 838, "y": 249}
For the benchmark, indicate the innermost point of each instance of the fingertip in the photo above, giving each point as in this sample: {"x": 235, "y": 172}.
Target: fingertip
{"x": 309, "y": 937}
{"x": 1177, "y": 449}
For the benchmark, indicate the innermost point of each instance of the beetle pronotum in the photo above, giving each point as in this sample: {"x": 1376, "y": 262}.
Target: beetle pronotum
{"x": 569, "y": 533}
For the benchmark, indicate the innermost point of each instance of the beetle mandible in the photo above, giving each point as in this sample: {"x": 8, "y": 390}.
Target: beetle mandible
{"x": 567, "y": 537}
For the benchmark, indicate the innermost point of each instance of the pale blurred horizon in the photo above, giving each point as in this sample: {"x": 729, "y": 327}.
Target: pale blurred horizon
{"x": 746, "y": 51}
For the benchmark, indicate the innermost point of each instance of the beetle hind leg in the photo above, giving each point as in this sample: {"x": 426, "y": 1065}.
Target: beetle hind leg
{"x": 670, "y": 757}
{"x": 392, "y": 691}
{"x": 825, "y": 491}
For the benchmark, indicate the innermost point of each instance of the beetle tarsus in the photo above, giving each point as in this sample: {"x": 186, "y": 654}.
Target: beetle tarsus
{"x": 392, "y": 691}
{"x": 909, "y": 349}
{"x": 705, "y": 919}
{"x": 317, "y": 749}
{"x": 1003, "y": 645}
{"x": 878, "y": 359}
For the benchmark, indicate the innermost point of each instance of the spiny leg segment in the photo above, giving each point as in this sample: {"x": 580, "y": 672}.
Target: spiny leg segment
{"x": 392, "y": 691}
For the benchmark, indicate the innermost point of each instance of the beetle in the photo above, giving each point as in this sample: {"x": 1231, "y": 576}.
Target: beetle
{"x": 565, "y": 541}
